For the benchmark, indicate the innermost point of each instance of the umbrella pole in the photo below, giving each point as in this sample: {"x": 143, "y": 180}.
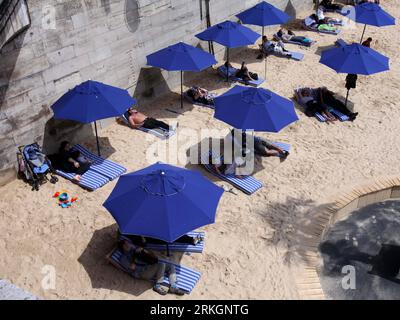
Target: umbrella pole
{"x": 227, "y": 69}
{"x": 347, "y": 97}
{"x": 265, "y": 67}
{"x": 181, "y": 89}
{"x": 168, "y": 250}
{"x": 365, "y": 27}
{"x": 97, "y": 138}
{"x": 263, "y": 33}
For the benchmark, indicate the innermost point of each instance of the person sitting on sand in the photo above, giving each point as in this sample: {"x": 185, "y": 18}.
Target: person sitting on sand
{"x": 262, "y": 147}
{"x": 274, "y": 47}
{"x": 139, "y": 120}
{"x": 72, "y": 161}
{"x": 146, "y": 266}
{"x": 290, "y": 36}
{"x": 143, "y": 241}
{"x": 200, "y": 95}
{"x": 244, "y": 74}
{"x": 367, "y": 43}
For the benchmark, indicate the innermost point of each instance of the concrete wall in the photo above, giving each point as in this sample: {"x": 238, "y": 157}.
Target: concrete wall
{"x": 104, "y": 40}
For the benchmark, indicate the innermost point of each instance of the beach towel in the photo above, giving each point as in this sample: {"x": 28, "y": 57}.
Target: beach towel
{"x": 248, "y": 184}
{"x": 176, "y": 247}
{"x": 192, "y": 101}
{"x": 298, "y": 56}
{"x": 232, "y": 73}
{"x": 304, "y": 44}
{"x": 186, "y": 278}
{"x": 159, "y": 132}
{"x": 107, "y": 168}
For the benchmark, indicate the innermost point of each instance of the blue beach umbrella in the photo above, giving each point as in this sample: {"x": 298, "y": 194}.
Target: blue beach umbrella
{"x": 91, "y": 101}
{"x": 255, "y": 109}
{"x": 372, "y": 14}
{"x": 263, "y": 14}
{"x": 354, "y": 59}
{"x": 163, "y": 202}
{"x": 229, "y": 34}
{"x": 181, "y": 57}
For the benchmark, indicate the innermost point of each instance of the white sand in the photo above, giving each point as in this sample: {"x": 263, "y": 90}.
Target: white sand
{"x": 252, "y": 251}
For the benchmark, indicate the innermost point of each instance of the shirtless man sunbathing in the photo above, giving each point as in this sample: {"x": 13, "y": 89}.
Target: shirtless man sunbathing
{"x": 139, "y": 120}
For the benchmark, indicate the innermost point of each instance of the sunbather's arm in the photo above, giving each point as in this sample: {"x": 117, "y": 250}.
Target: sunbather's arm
{"x": 75, "y": 163}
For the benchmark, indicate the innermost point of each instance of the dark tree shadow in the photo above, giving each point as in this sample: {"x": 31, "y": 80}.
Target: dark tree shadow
{"x": 295, "y": 24}
{"x": 104, "y": 275}
{"x": 368, "y": 240}
{"x": 293, "y": 225}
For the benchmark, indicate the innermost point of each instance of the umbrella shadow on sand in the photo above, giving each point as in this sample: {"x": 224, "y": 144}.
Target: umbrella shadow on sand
{"x": 194, "y": 156}
{"x": 57, "y": 131}
{"x": 102, "y": 274}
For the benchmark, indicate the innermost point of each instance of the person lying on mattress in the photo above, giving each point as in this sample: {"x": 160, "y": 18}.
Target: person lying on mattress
{"x": 314, "y": 23}
{"x": 200, "y": 95}
{"x": 72, "y": 161}
{"x": 274, "y": 47}
{"x": 139, "y": 120}
{"x": 185, "y": 239}
{"x": 309, "y": 98}
{"x": 328, "y": 97}
{"x": 145, "y": 266}
{"x": 290, "y": 36}
{"x": 244, "y": 74}
{"x": 262, "y": 147}
{"x": 323, "y": 19}
{"x": 318, "y": 100}
{"x": 226, "y": 167}
{"x": 329, "y": 5}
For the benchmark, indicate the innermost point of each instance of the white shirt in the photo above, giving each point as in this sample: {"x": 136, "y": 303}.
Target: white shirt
{"x": 309, "y": 21}
{"x": 320, "y": 14}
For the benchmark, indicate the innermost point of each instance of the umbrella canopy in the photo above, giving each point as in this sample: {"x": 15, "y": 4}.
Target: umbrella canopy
{"x": 181, "y": 57}
{"x": 92, "y": 101}
{"x": 263, "y": 14}
{"x": 355, "y": 59}
{"x": 163, "y": 202}
{"x": 372, "y": 14}
{"x": 229, "y": 34}
{"x": 254, "y": 109}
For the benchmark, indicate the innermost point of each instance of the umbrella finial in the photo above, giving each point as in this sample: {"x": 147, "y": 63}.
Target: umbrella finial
{"x": 163, "y": 183}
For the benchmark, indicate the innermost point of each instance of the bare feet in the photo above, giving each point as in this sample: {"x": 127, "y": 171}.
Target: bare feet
{"x": 77, "y": 178}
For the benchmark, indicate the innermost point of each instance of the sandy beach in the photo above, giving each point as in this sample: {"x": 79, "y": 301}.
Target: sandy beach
{"x": 255, "y": 250}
